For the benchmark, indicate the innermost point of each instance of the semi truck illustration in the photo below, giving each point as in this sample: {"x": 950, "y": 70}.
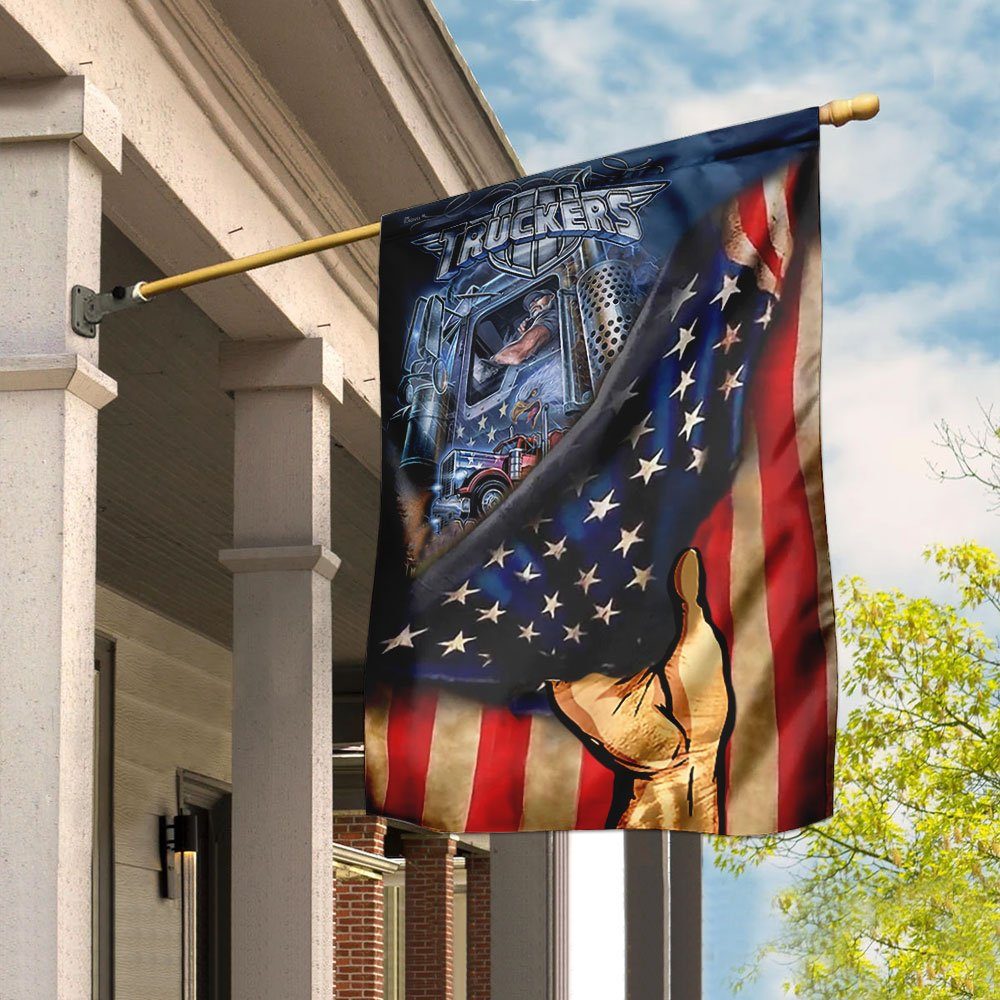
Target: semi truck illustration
{"x": 476, "y": 424}
{"x": 471, "y": 483}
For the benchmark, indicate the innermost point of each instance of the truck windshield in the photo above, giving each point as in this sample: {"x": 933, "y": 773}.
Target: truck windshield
{"x": 493, "y": 330}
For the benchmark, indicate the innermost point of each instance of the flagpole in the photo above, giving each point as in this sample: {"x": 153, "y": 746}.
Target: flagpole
{"x": 89, "y": 307}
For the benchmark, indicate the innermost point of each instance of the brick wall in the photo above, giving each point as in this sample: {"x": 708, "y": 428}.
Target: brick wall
{"x": 430, "y": 916}
{"x": 477, "y": 901}
{"x": 359, "y": 947}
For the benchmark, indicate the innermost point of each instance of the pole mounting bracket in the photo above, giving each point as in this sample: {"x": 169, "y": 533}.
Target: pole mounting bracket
{"x": 88, "y": 308}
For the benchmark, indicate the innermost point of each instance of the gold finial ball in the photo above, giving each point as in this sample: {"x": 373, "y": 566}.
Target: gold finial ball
{"x": 859, "y": 108}
{"x": 864, "y": 106}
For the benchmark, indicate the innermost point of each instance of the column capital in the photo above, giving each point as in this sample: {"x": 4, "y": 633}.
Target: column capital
{"x": 71, "y": 372}
{"x": 282, "y": 364}
{"x": 67, "y": 107}
{"x": 265, "y": 559}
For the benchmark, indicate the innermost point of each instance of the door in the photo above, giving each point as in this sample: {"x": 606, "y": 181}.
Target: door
{"x": 102, "y": 859}
{"x": 207, "y": 928}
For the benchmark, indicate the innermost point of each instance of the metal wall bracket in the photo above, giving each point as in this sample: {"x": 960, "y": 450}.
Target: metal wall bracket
{"x": 88, "y": 308}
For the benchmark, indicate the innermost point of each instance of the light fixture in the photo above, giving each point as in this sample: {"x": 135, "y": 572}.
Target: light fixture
{"x": 178, "y": 837}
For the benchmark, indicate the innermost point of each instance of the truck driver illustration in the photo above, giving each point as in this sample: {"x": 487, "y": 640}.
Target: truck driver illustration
{"x": 534, "y": 331}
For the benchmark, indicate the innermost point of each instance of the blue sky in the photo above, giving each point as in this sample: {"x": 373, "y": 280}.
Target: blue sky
{"x": 910, "y": 267}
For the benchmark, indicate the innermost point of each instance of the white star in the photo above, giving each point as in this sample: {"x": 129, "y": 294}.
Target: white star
{"x": 487, "y": 659}
{"x": 581, "y": 484}
{"x": 457, "y": 644}
{"x": 641, "y": 578}
{"x": 482, "y": 422}
{"x": 503, "y": 410}
{"x": 498, "y": 555}
{"x": 588, "y": 579}
{"x": 573, "y": 634}
{"x": 630, "y": 392}
{"x": 639, "y": 431}
{"x": 538, "y": 522}
{"x": 685, "y": 336}
{"x": 732, "y": 336}
{"x": 691, "y": 420}
{"x": 405, "y": 638}
{"x": 606, "y": 612}
{"x": 551, "y": 603}
{"x": 527, "y": 631}
{"x": 491, "y": 435}
{"x": 728, "y": 290}
{"x": 649, "y": 468}
{"x": 682, "y": 385}
{"x": 555, "y": 549}
{"x": 731, "y": 382}
{"x": 526, "y": 575}
{"x": 628, "y": 539}
{"x": 461, "y": 594}
{"x": 698, "y": 458}
{"x": 491, "y": 614}
{"x": 460, "y": 433}
{"x": 679, "y": 297}
{"x": 765, "y": 318}
{"x": 601, "y": 508}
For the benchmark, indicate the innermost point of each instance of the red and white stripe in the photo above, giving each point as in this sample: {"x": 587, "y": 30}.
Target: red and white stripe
{"x": 757, "y": 232}
{"x": 771, "y": 592}
{"x": 447, "y": 762}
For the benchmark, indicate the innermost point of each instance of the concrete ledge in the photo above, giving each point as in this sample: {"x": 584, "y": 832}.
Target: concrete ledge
{"x": 58, "y": 371}
{"x": 354, "y": 857}
{"x": 68, "y": 107}
{"x": 282, "y": 364}
{"x": 317, "y": 558}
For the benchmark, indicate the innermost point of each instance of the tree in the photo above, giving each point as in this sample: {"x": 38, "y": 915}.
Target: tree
{"x": 898, "y": 895}
{"x": 975, "y": 453}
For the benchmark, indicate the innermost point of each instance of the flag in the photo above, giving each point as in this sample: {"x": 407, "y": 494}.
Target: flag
{"x": 602, "y": 594}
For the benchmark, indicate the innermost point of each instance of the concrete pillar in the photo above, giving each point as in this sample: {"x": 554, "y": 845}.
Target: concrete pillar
{"x": 282, "y": 912}
{"x": 56, "y": 138}
{"x": 662, "y": 915}
{"x": 359, "y": 968}
{"x": 529, "y": 919}
{"x": 430, "y": 916}
{"x": 478, "y": 910}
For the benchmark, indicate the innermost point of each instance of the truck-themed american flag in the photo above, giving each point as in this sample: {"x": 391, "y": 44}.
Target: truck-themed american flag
{"x": 602, "y": 595}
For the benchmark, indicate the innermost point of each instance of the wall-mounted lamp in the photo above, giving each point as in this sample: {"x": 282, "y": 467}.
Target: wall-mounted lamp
{"x": 178, "y": 837}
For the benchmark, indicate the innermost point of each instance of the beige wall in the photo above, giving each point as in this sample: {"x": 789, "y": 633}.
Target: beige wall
{"x": 172, "y": 710}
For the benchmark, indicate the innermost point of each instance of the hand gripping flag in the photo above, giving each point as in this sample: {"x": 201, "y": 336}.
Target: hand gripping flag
{"x": 602, "y": 595}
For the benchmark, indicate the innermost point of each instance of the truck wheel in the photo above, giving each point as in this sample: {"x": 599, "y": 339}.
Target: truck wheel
{"x": 487, "y": 496}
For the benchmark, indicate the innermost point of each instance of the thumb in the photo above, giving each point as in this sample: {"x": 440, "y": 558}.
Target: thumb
{"x": 686, "y": 581}
{"x": 695, "y": 668}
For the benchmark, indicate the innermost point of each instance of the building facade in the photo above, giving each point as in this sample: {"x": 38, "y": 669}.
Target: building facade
{"x": 188, "y": 508}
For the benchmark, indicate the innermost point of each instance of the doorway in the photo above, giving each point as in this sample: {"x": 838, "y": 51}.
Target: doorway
{"x": 206, "y": 889}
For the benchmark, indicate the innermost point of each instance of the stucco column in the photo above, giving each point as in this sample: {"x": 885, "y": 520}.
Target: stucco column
{"x": 56, "y": 138}
{"x": 282, "y": 912}
{"x": 529, "y": 915}
{"x": 662, "y": 915}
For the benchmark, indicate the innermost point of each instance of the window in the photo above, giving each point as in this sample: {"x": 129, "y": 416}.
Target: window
{"x": 394, "y": 942}
{"x": 494, "y": 329}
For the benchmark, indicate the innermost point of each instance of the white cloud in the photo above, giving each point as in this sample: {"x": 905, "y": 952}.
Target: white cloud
{"x": 892, "y": 369}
